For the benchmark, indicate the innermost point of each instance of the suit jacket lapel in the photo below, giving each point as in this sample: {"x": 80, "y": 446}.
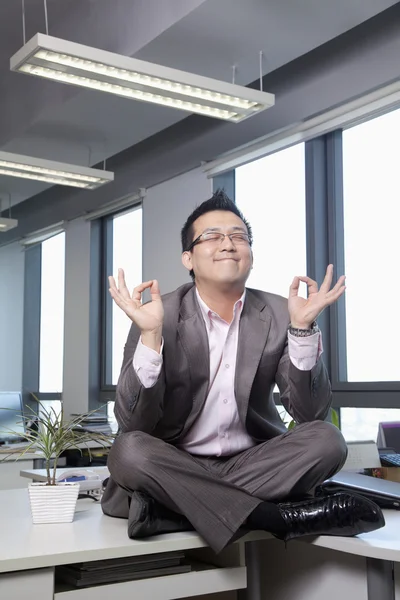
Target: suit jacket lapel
{"x": 193, "y": 335}
{"x": 255, "y": 323}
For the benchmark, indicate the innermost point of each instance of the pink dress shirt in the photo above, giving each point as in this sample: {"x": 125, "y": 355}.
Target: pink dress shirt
{"x": 218, "y": 430}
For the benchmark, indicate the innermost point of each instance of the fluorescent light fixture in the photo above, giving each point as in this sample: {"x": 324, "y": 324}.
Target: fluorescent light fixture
{"x": 67, "y": 62}
{"x": 7, "y": 224}
{"x": 39, "y": 169}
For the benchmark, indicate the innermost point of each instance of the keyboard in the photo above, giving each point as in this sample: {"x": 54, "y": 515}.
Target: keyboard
{"x": 390, "y": 460}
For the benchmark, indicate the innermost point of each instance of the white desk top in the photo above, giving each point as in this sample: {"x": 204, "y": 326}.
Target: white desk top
{"x": 91, "y": 536}
{"x": 383, "y": 543}
{"x": 94, "y": 536}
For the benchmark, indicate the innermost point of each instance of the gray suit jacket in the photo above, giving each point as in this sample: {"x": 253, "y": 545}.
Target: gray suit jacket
{"x": 169, "y": 408}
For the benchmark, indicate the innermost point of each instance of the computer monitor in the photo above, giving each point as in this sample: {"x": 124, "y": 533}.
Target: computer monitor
{"x": 12, "y": 425}
{"x": 389, "y": 435}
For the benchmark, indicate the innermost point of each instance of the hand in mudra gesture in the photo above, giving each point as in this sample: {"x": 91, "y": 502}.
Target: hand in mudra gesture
{"x": 148, "y": 317}
{"x": 303, "y": 311}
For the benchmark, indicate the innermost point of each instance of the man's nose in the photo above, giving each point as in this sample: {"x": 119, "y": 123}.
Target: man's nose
{"x": 227, "y": 244}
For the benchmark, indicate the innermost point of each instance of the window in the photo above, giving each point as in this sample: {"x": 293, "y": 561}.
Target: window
{"x": 372, "y": 247}
{"x": 360, "y": 424}
{"x": 52, "y": 314}
{"x": 271, "y": 194}
{"x": 125, "y": 251}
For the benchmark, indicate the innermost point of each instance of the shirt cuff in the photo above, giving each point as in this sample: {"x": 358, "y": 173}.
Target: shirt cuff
{"x": 304, "y": 352}
{"x": 147, "y": 363}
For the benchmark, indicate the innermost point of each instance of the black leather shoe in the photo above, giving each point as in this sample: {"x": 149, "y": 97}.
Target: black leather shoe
{"x": 341, "y": 514}
{"x": 149, "y": 517}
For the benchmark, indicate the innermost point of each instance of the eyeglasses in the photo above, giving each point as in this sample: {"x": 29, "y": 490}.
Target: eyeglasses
{"x": 237, "y": 238}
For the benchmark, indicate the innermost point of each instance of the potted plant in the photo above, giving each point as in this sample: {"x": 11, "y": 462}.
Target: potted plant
{"x": 52, "y": 501}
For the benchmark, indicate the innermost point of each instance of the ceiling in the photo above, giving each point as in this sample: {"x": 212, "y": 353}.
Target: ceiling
{"x": 64, "y": 123}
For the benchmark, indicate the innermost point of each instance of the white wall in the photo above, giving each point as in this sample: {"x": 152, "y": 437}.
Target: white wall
{"x": 165, "y": 210}
{"x": 12, "y": 260}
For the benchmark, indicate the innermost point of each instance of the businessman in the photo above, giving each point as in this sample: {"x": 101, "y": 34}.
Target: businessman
{"x": 201, "y": 444}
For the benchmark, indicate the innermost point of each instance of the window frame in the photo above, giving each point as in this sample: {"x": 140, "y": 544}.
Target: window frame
{"x": 106, "y": 390}
{"x": 357, "y": 394}
{"x": 31, "y": 329}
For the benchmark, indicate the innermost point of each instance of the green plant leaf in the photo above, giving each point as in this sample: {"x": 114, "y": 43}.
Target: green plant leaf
{"x": 335, "y": 418}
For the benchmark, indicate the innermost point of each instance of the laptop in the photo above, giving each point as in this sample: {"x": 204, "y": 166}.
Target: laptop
{"x": 385, "y": 494}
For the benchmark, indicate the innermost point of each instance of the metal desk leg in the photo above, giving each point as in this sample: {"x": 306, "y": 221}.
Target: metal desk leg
{"x": 253, "y": 561}
{"x": 380, "y": 579}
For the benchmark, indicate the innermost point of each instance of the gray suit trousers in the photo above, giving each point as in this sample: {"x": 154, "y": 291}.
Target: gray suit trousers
{"x": 218, "y": 494}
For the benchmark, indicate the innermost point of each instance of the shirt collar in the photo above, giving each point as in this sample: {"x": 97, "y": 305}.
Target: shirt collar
{"x": 208, "y": 313}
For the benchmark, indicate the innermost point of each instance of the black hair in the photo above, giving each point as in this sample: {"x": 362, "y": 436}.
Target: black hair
{"x": 218, "y": 201}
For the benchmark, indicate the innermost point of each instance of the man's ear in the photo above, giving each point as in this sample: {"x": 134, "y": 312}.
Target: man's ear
{"x": 187, "y": 260}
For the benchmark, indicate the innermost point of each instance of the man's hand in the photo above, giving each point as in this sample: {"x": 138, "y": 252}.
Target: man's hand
{"x": 148, "y": 317}
{"x": 304, "y": 311}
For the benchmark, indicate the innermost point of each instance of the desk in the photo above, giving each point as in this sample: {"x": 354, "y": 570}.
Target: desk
{"x": 326, "y": 567}
{"x": 29, "y": 553}
{"x": 366, "y": 567}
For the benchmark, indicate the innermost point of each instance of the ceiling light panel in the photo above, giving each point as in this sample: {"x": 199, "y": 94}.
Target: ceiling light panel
{"x": 7, "y": 224}
{"x": 75, "y": 64}
{"x": 49, "y": 171}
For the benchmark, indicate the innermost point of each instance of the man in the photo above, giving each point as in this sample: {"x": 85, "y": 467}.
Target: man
{"x": 201, "y": 443}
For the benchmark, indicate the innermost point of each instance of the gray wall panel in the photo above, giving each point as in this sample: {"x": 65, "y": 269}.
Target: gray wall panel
{"x": 165, "y": 209}
{"x": 76, "y": 321}
{"x": 12, "y": 261}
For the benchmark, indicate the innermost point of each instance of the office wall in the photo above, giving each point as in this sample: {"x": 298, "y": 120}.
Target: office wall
{"x": 12, "y": 260}
{"x": 165, "y": 209}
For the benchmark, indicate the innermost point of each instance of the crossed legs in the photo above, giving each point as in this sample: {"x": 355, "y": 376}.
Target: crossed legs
{"x": 218, "y": 494}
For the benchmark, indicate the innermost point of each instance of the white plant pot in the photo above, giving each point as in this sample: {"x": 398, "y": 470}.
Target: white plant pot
{"x": 53, "y": 503}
